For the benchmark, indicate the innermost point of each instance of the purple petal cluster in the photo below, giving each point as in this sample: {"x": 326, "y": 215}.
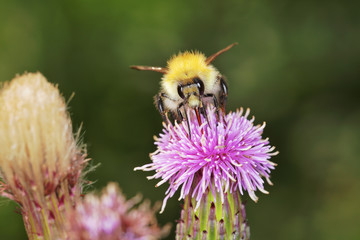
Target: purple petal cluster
{"x": 226, "y": 153}
{"x": 111, "y": 216}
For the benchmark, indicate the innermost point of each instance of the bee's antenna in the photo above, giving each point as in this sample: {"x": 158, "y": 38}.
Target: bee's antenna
{"x": 148, "y": 68}
{"x": 212, "y": 57}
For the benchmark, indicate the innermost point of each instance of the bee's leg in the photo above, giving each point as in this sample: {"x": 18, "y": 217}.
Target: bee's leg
{"x": 172, "y": 116}
{"x": 159, "y": 103}
{"x": 164, "y": 110}
{"x": 215, "y": 102}
{"x": 181, "y": 105}
{"x": 188, "y": 122}
{"x": 223, "y": 94}
{"x": 179, "y": 115}
{"x": 202, "y": 111}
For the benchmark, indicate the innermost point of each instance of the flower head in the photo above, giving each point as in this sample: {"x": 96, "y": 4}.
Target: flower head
{"x": 40, "y": 161}
{"x": 37, "y": 142}
{"x": 225, "y": 153}
{"x": 111, "y": 216}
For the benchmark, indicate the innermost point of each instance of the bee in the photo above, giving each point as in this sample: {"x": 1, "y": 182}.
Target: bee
{"x": 189, "y": 81}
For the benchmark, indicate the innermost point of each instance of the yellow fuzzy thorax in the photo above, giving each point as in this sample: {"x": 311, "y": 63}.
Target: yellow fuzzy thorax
{"x": 187, "y": 65}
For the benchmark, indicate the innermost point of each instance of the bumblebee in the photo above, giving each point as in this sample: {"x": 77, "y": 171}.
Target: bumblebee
{"x": 189, "y": 81}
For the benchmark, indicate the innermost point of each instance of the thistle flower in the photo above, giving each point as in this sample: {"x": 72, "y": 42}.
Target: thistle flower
{"x": 225, "y": 155}
{"x": 212, "y": 165}
{"x": 111, "y": 216}
{"x": 41, "y": 163}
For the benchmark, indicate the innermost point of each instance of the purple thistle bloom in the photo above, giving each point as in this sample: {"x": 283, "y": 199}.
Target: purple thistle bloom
{"x": 111, "y": 216}
{"x": 223, "y": 155}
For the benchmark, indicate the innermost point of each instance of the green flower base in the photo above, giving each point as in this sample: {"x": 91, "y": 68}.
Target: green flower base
{"x": 213, "y": 219}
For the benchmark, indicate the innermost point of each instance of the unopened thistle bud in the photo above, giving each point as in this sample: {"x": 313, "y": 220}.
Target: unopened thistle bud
{"x": 40, "y": 160}
{"x": 112, "y": 217}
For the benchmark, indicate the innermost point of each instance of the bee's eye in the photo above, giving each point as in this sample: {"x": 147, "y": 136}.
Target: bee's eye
{"x": 200, "y": 85}
{"x": 180, "y": 92}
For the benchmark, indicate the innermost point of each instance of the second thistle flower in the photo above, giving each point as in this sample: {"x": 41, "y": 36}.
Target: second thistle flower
{"x": 112, "y": 217}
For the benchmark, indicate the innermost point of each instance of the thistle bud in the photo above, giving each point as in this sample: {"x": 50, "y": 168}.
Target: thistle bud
{"x": 40, "y": 160}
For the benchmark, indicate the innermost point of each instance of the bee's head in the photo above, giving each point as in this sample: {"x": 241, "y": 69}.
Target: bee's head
{"x": 187, "y": 78}
{"x": 191, "y": 92}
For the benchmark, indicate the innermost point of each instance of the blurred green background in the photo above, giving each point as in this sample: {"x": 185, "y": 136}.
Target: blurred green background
{"x": 297, "y": 66}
